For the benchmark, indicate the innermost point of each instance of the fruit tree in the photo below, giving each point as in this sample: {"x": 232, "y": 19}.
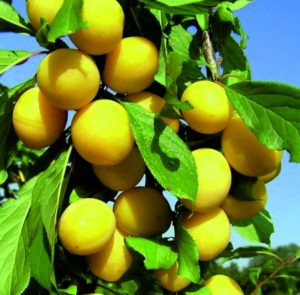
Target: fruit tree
{"x": 137, "y": 147}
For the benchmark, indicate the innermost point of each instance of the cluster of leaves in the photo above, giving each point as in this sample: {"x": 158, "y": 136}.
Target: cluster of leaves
{"x": 190, "y": 34}
{"x": 267, "y": 271}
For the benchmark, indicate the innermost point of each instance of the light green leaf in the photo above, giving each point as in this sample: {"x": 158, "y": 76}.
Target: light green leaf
{"x": 11, "y": 21}
{"x": 191, "y": 9}
{"x": 272, "y": 111}
{"x": 157, "y": 254}
{"x": 180, "y": 41}
{"x": 10, "y": 58}
{"x": 47, "y": 197}
{"x": 7, "y": 137}
{"x": 239, "y": 4}
{"x": 67, "y": 21}
{"x": 197, "y": 290}
{"x": 71, "y": 290}
{"x": 254, "y": 273}
{"x": 165, "y": 154}
{"x": 258, "y": 229}
{"x": 14, "y": 253}
{"x": 202, "y": 20}
{"x": 188, "y": 254}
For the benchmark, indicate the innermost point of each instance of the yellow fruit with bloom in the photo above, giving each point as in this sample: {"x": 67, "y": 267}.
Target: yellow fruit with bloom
{"x": 221, "y": 284}
{"x": 124, "y": 175}
{"x": 245, "y": 153}
{"x": 111, "y": 263}
{"x": 237, "y": 209}
{"x": 131, "y": 66}
{"x": 101, "y": 133}
{"x": 211, "y": 108}
{"x": 37, "y": 9}
{"x": 143, "y": 212}
{"x": 170, "y": 280}
{"x": 210, "y": 231}
{"x": 69, "y": 78}
{"x": 86, "y": 226}
{"x": 105, "y": 27}
{"x": 36, "y": 121}
{"x": 153, "y": 103}
{"x": 214, "y": 178}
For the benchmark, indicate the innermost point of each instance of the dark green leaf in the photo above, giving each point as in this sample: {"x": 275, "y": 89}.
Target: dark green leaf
{"x": 258, "y": 229}
{"x": 248, "y": 252}
{"x": 157, "y": 254}
{"x": 47, "y": 197}
{"x": 14, "y": 250}
{"x": 176, "y": 3}
{"x": 233, "y": 58}
{"x": 10, "y": 58}
{"x": 165, "y": 154}
{"x": 11, "y": 21}
{"x": 272, "y": 111}
{"x": 188, "y": 254}
{"x": 7, "y": 136}
{"x": 67, "y": 21}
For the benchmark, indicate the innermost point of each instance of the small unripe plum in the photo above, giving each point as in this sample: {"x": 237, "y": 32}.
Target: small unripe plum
{"x": 69, "y": 78}
{"x": 86, "y": 226}
{"x": 101, "y": 133}
{"x": 131, "y": 66}
{"x": 36, "y": 121}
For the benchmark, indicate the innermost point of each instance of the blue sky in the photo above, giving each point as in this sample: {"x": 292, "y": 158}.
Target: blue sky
{"x": 273, "y": 52}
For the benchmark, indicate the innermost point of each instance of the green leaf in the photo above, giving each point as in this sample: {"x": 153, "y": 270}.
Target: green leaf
{"x": 157, "y": 254}
{"x": 191, "y": 9}
{"x": 248, "y": 252}
{"x": 233, "y": 58}
{"x": 14, "y": 262}
{"x": 47, "y": 197}
{"x": 202, "y": 20}
{"x": 238, "y": 4}
{"x": 67, "y": 21}
{"x": 11, "y": 21}
{"x": 272, "y": 111}
{"x": 165, "y": 154}
{"x": 188, "y": 254}
{"x": 180, "y": 41}
{"x": 176, "y": 3}
{"x": 197, "y": 290}
{"x": 257, "y": 229}
{"x": 254, "y": 273}
{"x": 10, "y": 58}
{"x": 71, "y": 290}
{"x": 7, "y": 136}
